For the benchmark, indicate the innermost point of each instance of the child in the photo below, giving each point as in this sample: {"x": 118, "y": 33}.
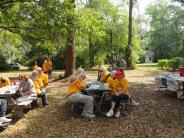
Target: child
{"x": 34, "y": 66}
{"x": 103, "y": 75}
{"x": 110, "y": 81}
{"x": 75, "y": 95}
{"x": 44, "y": 66}
{"x": 120, "y": 86}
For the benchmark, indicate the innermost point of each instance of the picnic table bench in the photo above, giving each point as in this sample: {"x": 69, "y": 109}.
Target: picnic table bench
{"x": 7, "y": 93}
{"x": 171, "y": 81}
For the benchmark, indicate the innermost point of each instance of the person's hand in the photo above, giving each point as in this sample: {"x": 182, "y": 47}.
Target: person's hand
{"x": 21, "y": 93}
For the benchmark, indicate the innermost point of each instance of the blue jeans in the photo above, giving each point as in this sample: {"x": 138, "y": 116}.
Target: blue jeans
{"x": 3, "y": 107}
{"x": 43, "y": 97}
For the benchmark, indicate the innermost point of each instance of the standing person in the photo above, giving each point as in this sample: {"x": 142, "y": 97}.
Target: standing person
{"x": 120, "y": 86}
{"x": 4, "y": 81}
{"x": 40, "y": 91}
{"x": 34, "y": 66}
{"x": 44, "y": 66}
{"x": 3, "y": 107}
{"x": 26, "y": 89}
{"x": 49, "y": 67}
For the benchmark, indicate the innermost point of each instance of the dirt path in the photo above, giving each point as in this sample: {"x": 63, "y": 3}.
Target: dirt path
{"x": 159, "y": 115}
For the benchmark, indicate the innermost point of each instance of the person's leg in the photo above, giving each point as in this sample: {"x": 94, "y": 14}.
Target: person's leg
{"x": 3, "y": 107}
{"x": 43, "y": 96}
{"x": 87, "y": 100}
{"x": 113, "y": 105}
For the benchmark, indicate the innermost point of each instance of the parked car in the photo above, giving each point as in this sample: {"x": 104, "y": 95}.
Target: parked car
{"x": 15, "y": 66}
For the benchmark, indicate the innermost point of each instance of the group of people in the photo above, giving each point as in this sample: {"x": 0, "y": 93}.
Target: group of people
{"x": 117, "y": 83}
{"x": 29, "y": 88}
{"x": 46, "y": 66}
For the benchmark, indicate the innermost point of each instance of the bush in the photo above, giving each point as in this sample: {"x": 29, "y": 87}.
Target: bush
{"x": 162, "y": 63}
{"x": 173, "y": 63}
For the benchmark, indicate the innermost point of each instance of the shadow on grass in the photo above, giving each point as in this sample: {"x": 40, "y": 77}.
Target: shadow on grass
{"x": 159, "y": 112}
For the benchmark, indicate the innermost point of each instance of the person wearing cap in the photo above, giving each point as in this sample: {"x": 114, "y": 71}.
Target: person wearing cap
{"x": 26, "y": 89}
{"x": 74, "y": 91}
{"x": 120, "y": 86}
{"x": 4, "y": 81}
{"x": 110, "y": 81}
{"x": 39, "y": 87}
{"x": 43, "y": 77}
{"x": 3, "y": 107}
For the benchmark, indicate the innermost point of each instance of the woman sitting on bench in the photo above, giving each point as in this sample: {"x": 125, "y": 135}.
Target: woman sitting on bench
{"x": 120, "y": 86}
{"x": 4, "y": 81}
{"x": 26, "y": 89}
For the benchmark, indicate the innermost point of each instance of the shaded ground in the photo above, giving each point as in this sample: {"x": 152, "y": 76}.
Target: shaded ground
{"x": 159, "y": 115}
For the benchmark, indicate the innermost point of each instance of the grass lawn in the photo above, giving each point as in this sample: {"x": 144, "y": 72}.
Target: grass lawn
{"x": 160, "y": 114}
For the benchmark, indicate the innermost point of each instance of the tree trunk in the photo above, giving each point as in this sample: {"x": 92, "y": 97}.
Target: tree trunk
{"x": 91, "y": 57}
{"x": 70, "y": 51}
{"x": 129, "y": 47}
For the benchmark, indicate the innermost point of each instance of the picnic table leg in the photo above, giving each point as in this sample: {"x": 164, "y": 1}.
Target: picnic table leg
{"x": 19, "y": 113}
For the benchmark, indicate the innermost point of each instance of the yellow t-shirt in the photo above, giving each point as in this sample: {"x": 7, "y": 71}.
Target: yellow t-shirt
{"x": 44, "y": 67}
{"x": 110, "y": 81}
{"x": 35, "y": 67}
{"x": 6, "y": 83}
{"x": 104, "y": 76}
{"x": 75, "y": 86}
{"x": 38, "y": 84}
{"x": 49, "y": 64}
{"x": 119, "y": 85}
{"x": 44, "y": 78}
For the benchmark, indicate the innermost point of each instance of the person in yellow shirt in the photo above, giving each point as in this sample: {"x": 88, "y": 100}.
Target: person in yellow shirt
{"x": 43, "y": 77}
{"x": 75, "y": 95}
{"x": 110, "y": 81}
{"x": 39, "y": 87}
{"x": 44, "y": 66}
{"x": 103, "y": 75}
{"x": 4, "y": 81}
{"x": 34, "y": 66}
{"x": 49, "y": 67}
{"x": 120, "y": 86}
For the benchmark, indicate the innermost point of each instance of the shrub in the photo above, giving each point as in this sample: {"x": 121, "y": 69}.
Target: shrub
{"x": 162, "y": 63}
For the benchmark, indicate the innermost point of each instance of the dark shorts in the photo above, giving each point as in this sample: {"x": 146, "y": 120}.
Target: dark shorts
{"x": 119, "y": 98}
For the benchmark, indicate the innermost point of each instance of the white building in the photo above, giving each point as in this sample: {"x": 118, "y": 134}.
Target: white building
{"x": 149, "y": 56}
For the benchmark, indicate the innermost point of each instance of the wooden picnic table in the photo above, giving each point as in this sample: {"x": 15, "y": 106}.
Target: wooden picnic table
{"x": 100, "y": 93}
{"x": 8, "y": 92}
{"x": 171, "y": 81}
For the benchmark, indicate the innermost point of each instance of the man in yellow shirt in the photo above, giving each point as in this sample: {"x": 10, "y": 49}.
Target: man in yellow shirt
{"x": 75, "y": 95}
{"x": 49, "y": 67}
{"x": 103, "y": 75}
{"x": 43, "y": 77}
{"x": 44, "y": 66}
{"x": 120, "y": 86}
{"x": 39, "y": 87}
{"x": 4, "y": 81}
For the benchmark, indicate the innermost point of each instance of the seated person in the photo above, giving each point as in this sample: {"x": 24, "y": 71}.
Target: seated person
{"x": 80, "y": 70}
{"x": 4, "y": 81}
{"x": 39, "y": 87}
{"x": 75, "y": 95}
{"x": 26, "y": 89}
{"x": 103, "y": 75}
{"x": 110, "y": 81}
{"x": 43, "y": 77}
{"x": 120, "y": 86}
{"x": 3, "y": 107}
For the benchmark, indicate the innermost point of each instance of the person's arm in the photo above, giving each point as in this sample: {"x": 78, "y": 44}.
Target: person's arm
{"x": 26, "y": 92}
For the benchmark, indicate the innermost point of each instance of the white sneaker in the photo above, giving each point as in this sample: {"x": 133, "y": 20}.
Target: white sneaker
{"x": 5, "y": 120}
{"x": 110, "y": 113}
{"x": 118, "y": 113}
{"x": 88, "y": 115}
